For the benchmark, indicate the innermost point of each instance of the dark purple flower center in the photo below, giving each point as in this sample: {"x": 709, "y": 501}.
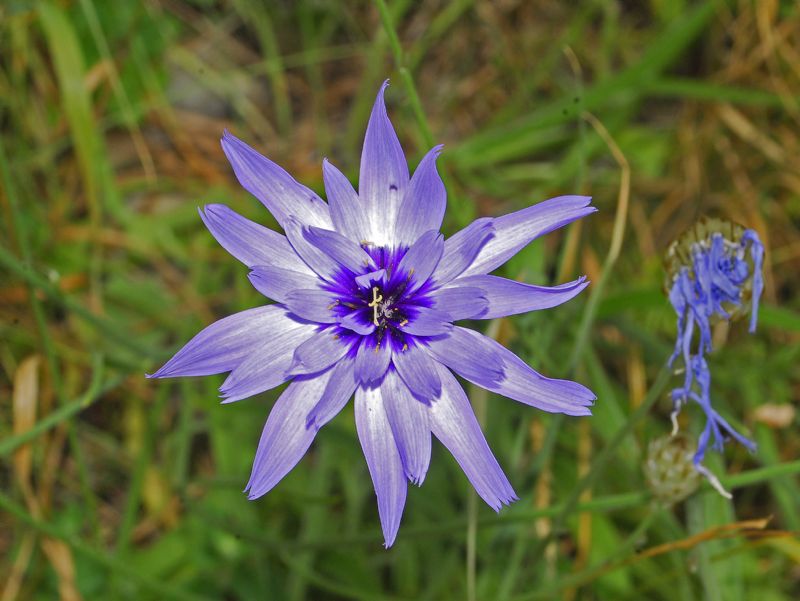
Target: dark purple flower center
{"x": 380, "y": 304}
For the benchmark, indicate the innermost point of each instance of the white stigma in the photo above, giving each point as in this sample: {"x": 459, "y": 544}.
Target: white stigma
{"x": 377, "y": 299}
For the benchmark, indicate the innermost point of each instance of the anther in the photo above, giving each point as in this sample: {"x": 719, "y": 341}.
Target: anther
{"x": 402, "y": 323}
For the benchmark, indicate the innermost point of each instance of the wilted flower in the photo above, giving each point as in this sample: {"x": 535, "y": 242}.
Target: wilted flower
{"x": 715, "y": 273}
{"x": 366, "y": 292}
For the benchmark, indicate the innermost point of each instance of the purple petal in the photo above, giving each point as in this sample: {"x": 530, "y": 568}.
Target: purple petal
{"x": 338, "y": 391}
{"x": 383, "y": 460}
{"x": 525, "y": 385}
{"x": 507, "y": 297}
{"x": 251, "y": 243}
{"x": 423, "y": 205}
{"x": 516, "y": 230}
{"x": 325, "y": 251}
{"x": 372, "y": 361}
{"x": 347, "y": 214}
{"x": 463, "y": 302}
{"x": 384, "y": 174}
{"x": 408, "y": 419}
{"x": 276, "y": 283}
{"x": 368, "y": 279}
{"x": 319, "y": 352}
{"x": 417, "y": 370}
{"x": 285, "y": 438}
{"x": 265, "y": 367}
{"x": 273, "y": 186}
{"x": 453, "y": 422}
{"x": 461, "y": 249}
{"x": 422, "y": 258}
{"x": 428, "y": 322}
{"x": 757, "y": 255}
{"x": 224, "y": 344}
{"x": 358, "y": 323}
{"x": 312, "y": 304}
{"x": 469, "y": 354}
{"x": 344, "y": 251}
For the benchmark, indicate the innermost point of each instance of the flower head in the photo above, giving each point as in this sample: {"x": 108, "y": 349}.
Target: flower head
{"x": 715, "y": 273}
{"x": 366, "y": 294}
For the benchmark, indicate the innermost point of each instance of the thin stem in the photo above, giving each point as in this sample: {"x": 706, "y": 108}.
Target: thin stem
{"x": 617, "y": 236}
{"x": 463, "y": 212}
{"x": 571, "y": 504}
{"x": 65, "y": 411}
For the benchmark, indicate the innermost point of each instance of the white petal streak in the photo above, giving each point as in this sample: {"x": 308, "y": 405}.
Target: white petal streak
{"x": 285, "y": 438}
{"x": 383, "y": 459}
{"x": 453, "y": 423}
{"x": 265, "y": 367}
{"x": 224, "y": 344}
{"x": 408, "y": 419}
{"x": 516, "y": 230}
{"x": 384, "y": 174}
{"x": 273, "y": 186}
{"x": 347, "y": 214}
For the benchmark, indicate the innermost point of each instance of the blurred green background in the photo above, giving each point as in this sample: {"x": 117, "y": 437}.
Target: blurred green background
{"x": 115, "y": 487}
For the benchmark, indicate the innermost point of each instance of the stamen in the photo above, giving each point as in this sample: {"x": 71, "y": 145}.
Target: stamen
{"x": 402, "y": 323}
{"x": 375, "y": 304}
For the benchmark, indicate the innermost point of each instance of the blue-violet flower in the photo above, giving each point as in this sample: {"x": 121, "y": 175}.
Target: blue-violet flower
{"x": 366, "y": 291}
{"x": 715, "y": 273}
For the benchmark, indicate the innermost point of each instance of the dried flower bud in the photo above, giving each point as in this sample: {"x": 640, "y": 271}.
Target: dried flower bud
{"x": 669, "y": 469}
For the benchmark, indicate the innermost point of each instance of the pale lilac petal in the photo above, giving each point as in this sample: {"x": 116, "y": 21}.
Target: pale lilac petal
{"x": 468, "y": 354}
{"x": 348, "y": 215}
{"x": 428, "y": 322}
{"x": 383, "y": 459}
{"x": 319, "y": 352}
{"x": 408, "y": 419}
{"x": 384, "y": 175}
{"x": 273, "y": 186}
{"x": 357, "y": 323}
{"x": 425, "y": 200}
{"x": 523, "y": 384}
{"x": 453, "y": 422}
{"x": 312, "y": 304}
{"x": 368, "y": 279}
{"x": 417, "y": 370}
{"x": 507, "y": 297}
{"x": 515, "y": 231}
{"x": 338, "y": 391}
{"x": 372, "y": 361}
{"x": 463, "y": 302}
{"x": 276, "y": 283}
{"x": 251, "y": 243}
{"x": 325, "y": 251}
{"x": 422, "y": 258}
{"x": 224, "y": 344}
{"x": 265, "y": 367}
{"x": 285, "y": 438}
{"x": 461, "y": 249}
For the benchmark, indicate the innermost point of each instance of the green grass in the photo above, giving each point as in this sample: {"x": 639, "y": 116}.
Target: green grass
{"x": 110, "y": 116}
